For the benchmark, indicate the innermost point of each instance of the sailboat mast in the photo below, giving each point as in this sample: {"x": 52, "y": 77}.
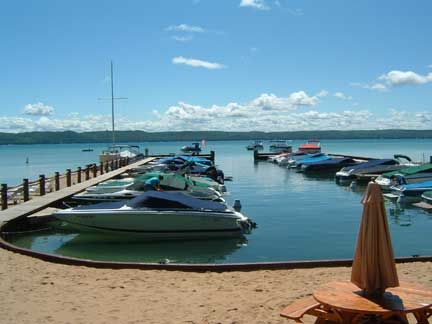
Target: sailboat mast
{"x": 112, "y": 105}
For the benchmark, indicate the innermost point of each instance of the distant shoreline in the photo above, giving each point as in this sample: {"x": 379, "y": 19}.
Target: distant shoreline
{"x": 70, "y": 137}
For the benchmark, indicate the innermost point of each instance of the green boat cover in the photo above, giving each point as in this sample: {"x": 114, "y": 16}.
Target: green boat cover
{"x": 427, "y": 194}
{"x": 410, "y": 170}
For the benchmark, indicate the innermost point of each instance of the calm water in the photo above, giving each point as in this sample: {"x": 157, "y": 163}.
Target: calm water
{"x": 298, "y": 217}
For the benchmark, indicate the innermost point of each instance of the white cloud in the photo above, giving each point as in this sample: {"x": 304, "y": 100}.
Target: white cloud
{"x": 182, "y": 39}
{"x": 374, "y": 86}
{"x": 322, "y": 93}
{"x": 257, "y": 4}
{"x": 38, "y": 109}
{"x": 342, "y": 96}
{"x": 197, "y": 63}
{"x": 266, "y": 112}
{"x": 185, "y": 28}
{"x": 296, "y": 12}
{"x": 397, "y": 78}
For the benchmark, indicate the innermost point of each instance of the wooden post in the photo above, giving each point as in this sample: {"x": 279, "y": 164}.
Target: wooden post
{"x": 68, "y": 178}
{"x": 101, "y": 168}
{"x": 94, "y": 169}
{"x": 212, "y": 156}
{"x": 57, "y": 181}
{"x": 26, "y": 190}
{"x": 255, "y": 155}
{"x": 87, "y": 172}
{"x": 146, "y": 152}
{"x": 79, "y": 175}
{"x": 4, "y": 202}
{"x": 106, "y": 166}
{"x": 111, "y": 165}
{"x": 127, "y": 160}
{"x": 42, "y": 185}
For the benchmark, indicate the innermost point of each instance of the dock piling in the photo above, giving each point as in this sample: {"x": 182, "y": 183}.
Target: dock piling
{"x": 87, "y": 172}
{"x": 42, "y": 185}
{"x": 68, "y": 178}
{"x": 79, "y": 174}
{"x": 101, "y": 168}
{"x": 146, "y": 152}
{"x": 57, "y": 181}
{"x": 94, "y": 168}
{"x": 4, "y": 200}
{"x": 26, "y": 189}
{"x": 212, "y": 156}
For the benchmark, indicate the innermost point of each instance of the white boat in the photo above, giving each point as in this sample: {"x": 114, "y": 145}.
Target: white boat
{"x": 280, "y": 146}
{"x": 154, "y": 214}
{"x": 256, "y": 145}
{"x": 115, "y": 152}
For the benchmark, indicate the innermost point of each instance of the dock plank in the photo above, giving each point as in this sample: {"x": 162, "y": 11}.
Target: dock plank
{"x": 40, "y": 202}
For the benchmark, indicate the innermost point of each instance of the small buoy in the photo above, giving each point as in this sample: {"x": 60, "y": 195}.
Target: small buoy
{"x": 237, "y": 205}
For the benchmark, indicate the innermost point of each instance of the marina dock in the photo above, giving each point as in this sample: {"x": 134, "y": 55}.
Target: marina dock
{"x": 72, "y": 183}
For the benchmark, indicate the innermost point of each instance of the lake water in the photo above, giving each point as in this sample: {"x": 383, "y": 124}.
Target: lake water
{"x": 298, "y": 217}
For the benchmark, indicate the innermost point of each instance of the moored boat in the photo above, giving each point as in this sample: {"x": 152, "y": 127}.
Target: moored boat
{"x": 194, "y": 148}
{"x": 413, "y": 174}
{"x": 376, "y": 166}
{"x": 328, "y": 165}
{"x": 311, "y": 146}
{"x": 427, "y": 197}
{"x": 115, "y": 152}
{"x": 411, "y": 192}
{"x": 280, "y": 146}
{"x": 256, "y": 145}
{"x": 156, "y": 214}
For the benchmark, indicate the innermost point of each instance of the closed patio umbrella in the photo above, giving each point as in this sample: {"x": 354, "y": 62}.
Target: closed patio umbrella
{"x": 374, "y": 268}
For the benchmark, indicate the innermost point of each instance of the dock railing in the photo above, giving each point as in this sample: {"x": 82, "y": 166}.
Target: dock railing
{"x": 45, "y": 185}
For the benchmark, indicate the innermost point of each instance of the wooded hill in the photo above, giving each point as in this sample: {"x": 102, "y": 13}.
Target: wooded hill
{"x": 141, "y": 136}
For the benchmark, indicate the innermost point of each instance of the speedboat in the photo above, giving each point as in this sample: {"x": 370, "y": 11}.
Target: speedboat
{"x": 256, "y": 145}
{"x": 280, "y": 146}
{"x": 290, "y": 158}
{"x": 309, "y": 158}
{"x": 427, "y": 197}
{"x": 158, "y": 215}
{"x": 327, "y": 165}
{"x": 115, "y": 152}
{"x": 194, "y": 148}
{"x": 411, "y": 192}
{"x": 413, "y": 174}
{"x": 312, "y": 146}
{"x": 349, "y": 173}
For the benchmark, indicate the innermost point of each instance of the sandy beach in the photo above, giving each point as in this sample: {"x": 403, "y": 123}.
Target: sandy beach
{"x": 35, "y": 291}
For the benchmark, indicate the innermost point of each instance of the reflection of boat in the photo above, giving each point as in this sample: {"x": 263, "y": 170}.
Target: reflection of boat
{"x": 158, "y": 215}
{"x": 408, "y": 175}
{"x": 312, "y": 146}
{"x": 130, "y": 248}
{"x": 256, "y": 145}
{"x": 374, "y": 167}
{"x": 194, "y": 148}
{"x": 118, "y": 151}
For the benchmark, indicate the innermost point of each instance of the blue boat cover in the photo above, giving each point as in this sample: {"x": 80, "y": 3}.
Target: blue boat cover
{"x": 417, "y": 185}
{"x": 370, "y": 164}
{"x": 312, "y": 159}
{"x": 330, "y": 161}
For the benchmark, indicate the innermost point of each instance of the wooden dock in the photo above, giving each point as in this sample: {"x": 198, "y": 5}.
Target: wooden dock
{"x": 41, "y": 202}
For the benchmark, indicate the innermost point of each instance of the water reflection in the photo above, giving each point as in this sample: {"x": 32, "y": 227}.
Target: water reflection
{"x": 122, "y": 248}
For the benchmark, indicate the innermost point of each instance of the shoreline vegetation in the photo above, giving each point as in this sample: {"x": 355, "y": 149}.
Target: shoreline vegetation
{"x": 69, "y": 137}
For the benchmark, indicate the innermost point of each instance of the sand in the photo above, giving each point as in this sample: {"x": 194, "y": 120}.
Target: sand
{"x": 35, "y": 291}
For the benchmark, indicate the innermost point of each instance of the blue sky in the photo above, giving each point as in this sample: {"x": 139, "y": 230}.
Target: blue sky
{"x": 269, "y": 65}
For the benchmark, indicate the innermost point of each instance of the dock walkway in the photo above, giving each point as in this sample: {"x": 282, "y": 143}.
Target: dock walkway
{"x": 41, "y": 202}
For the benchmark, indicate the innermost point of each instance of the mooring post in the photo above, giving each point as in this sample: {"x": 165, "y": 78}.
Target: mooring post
{"x": 87, "y": 172}
{"x": 4, "y": 202}
{"x": 68, "y": 178}
{"x": 101, "y": 168}
{"x": 79, "y": 175}
{"x": 41, "y": 184}
{"x": 146, "y": 152}
{"x": 255, "y": 155}
{"x": 57, "y": 181}
{"x": 127, "y": 160}
{"x": 94, "y": 168}
{"x": 106, "y": 166}
{"x": 26, "y": 190}
{"x": 212, "y": 156}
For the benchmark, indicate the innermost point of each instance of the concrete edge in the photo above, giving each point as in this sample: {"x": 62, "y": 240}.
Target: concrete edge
{"x": 193, "y": 267}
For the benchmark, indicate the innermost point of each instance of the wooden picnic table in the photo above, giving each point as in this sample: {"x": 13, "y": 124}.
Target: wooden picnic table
{"x": 349, "y": 304}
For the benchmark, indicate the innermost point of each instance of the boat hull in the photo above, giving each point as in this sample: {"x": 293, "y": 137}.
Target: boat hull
{"x": 157, "y": 224}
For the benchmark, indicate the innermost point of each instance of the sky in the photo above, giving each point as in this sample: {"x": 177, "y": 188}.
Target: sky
{"x": 229, "y": 65}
